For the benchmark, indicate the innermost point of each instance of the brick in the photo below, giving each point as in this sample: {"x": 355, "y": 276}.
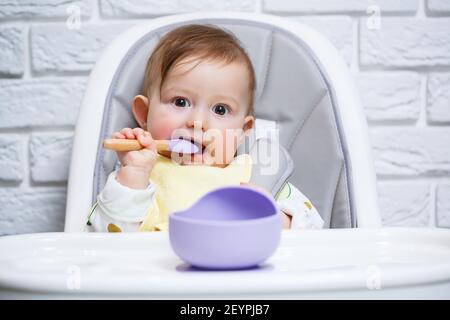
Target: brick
{"x": 150, "y": 8}
{"x": 438, "y": 6}
{"x": 50, "y": 156}
{"x": 11, "y": 158}
{"x": 11, "y": 51}
{"x": 443, "y": 205}
{"x": 32, "y": 210}
{"x": 23, "y": 9}
{"x": 40, "y": 102}
{"x": 390, "y": 96}
{"x": 411, "y": 151}
{"x": 339, "y": 30}
{"x": 438, "y": 98}
{"x": 404, "y": 204}
{"x": 406, "y": 42}
{"x": 56, "y": 48}
{"x": 353, "y": 6}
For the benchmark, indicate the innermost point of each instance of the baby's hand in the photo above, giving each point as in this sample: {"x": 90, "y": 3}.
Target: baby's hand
{"x": 285, "y": 219}
{"x": 136, "y": 165}
{"x": 256, "y": 187}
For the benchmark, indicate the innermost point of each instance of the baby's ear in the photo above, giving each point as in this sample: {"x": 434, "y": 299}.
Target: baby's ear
{"x": 140, "y": 110}
{"x": 246, "y": 128}
{"x": 249, "y": 121}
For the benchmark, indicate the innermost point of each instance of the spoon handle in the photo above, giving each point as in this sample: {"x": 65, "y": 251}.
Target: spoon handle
{"x": 132, "y": 145}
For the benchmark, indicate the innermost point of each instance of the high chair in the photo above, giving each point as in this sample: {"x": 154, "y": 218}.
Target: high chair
{"x": 305, "y": 90}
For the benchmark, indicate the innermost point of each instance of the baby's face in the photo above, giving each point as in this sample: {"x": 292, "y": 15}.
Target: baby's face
{"x": 207, "y": 102}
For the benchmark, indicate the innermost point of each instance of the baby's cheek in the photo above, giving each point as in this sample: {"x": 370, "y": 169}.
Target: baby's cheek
{"x": 161, "y": 128}
{"x": 226, "y": 147}
{"x": 160, "y": 132}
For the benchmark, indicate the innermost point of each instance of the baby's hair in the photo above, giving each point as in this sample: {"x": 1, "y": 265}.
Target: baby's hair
{"x": 199, "y": 42}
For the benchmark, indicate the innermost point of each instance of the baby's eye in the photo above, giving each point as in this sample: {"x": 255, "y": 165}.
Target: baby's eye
{"x": 181, "y": 102}
{"x": 220, "y": 109}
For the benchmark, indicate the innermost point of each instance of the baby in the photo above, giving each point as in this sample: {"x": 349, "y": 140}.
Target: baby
{"x": 199, "y": 85}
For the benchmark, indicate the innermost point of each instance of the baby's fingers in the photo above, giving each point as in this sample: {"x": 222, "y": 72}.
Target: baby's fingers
{"x": 146, "y": 140}
{"x": 118, "y": 135}
{"x": 128, "y": 133}
{"x": 138, "y": 131}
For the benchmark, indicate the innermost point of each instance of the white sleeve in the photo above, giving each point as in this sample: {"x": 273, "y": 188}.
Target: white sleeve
{"x": 119, "y": 208}
{"x": 297, "y": 205}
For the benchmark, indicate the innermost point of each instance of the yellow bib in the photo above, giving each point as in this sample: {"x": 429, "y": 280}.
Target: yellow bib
{"x": 179, "y": 186}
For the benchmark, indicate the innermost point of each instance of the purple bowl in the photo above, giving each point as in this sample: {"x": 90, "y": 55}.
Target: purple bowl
{"x": 228, "y": 228}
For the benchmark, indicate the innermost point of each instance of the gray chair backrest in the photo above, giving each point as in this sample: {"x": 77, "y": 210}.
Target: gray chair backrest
{"x": 292, "y": 90}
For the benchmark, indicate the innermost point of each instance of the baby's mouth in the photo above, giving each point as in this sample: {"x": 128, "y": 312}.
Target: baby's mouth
{"x": 200, "y": 145}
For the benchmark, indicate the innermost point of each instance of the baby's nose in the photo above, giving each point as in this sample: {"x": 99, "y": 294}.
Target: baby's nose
{"x": 198, "y": 121}
{"x": 197, "y": 125}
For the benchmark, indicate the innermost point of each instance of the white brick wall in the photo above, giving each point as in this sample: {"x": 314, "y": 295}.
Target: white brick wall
{"x": 443, "y": 205}
{"x": 152, "y": 8}
{"x": 390, "y": 96}
{"x": 438, "y": 6}
{"x": 402, "y": 70}
{"x": 438, "y": 110}
{"x": 12, "y": 160}
{"x": 411, "y": 152}
{"x": 47, "y": 9}
{"x": 50, "y": 156}
{"x": 339, "y": 6}
{"x": 44, "y": 101}
{"x": 12, "y": 48}
{"x": 406, "y": 42}
{"x": 58, "y": 49}
{"x": 400, "y": 208}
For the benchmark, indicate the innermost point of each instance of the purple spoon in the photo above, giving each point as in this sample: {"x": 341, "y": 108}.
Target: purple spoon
{"x": 181, "y": 146}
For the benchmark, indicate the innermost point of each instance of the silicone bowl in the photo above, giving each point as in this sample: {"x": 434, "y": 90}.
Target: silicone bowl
{"x": 228, "y": 228}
